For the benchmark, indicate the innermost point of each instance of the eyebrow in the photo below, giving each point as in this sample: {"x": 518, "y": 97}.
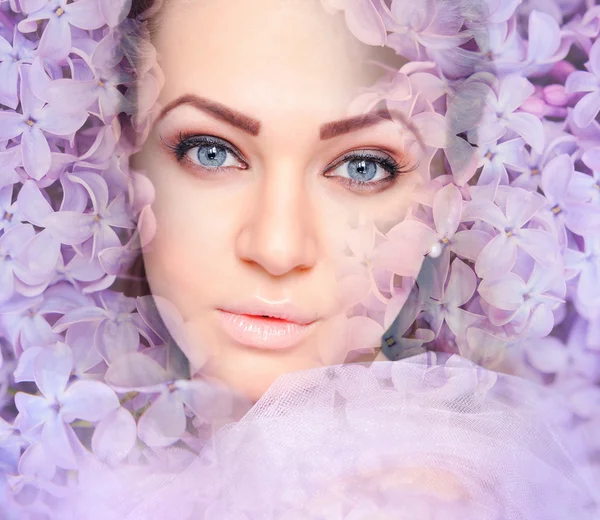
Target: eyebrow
{"x": 252, "y": 126}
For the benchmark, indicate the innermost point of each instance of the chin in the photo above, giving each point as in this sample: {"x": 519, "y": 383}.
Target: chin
{"x": 251, "y": 372}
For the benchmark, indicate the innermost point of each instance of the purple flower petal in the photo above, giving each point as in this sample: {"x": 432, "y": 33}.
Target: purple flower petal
{"x": 135, "y": 370}
{"x": 581, "y": 81}
{"x": 541, "y": 322}
{"x": 163, "y": 423}
{"x": 469, "y": 244}
{"x": 32, "y": 204}
{"x": 583, "y": 218}
{"x": 36, "y": 152}
{"x": 481, "y": 209}
{"x": 96, "y": 187}
{"x": 529, "y": 127}
{"x": 58, "y": 121}
{"x": 35, "y": 462}
{"x": 497, "y": 257}
{"x": 52, "y": 369}
{"x": 556, "y": 177}
{"x": 521, "y": 206}
{"x": 114, "y": 11}
{"x": 88, "y": 400}
{"x": 594, "y": 61}
{"x": 9, "y": 72}
{"x": 461, "y": 285}
{"x": 541, "y": 245}
{"x": 514, "y": 90}
{"x": 119, "y": 213}
{"x": 447, "y": 207}
{"x": 459, "y": 320}
{"x": 587, "y": 109}
{"x": 505, "y": 293}
{"x": 114, "y": 437}
{"x": 70, "y": 227}
{"x": 33, "y": 411}
{"x": 365, "y": 22}
{"x": 38, "y": 257}
{"x": 85, "y": 14}
{"x": 56, "y": 40}
{"x": 544, "y": 37}
{"x": 24, "y": 370}
{"x": 11, "y": 124}
{"x": 56, "y": 443}
{"x": 113, "y": 339}
{"x": 30, "y": 6}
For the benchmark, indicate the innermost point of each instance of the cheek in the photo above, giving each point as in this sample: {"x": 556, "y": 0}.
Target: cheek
{"x": 193, "y": 246}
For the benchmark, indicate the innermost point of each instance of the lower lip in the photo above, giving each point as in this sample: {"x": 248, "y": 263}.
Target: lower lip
{"x": 265, "y": 333}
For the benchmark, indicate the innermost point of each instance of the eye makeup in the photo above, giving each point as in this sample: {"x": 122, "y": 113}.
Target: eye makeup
{"x": 362, "y": 171}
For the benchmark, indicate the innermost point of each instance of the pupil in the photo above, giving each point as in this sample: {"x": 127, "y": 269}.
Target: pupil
{"x": 211, "y": 155}
{"x": 362, "y": 170}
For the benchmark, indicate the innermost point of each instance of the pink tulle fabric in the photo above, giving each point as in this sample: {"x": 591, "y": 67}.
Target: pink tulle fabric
{"x": 429, "y": 437}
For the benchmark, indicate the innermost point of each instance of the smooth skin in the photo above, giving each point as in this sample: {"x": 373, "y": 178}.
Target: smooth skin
{"x": 271, "y": 226}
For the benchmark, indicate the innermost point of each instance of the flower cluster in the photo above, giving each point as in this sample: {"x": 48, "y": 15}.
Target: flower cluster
{"x": 502, "y": 97}
{"x": 509, "y": 94}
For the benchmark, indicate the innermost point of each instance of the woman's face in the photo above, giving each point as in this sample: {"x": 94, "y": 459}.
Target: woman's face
{"x": 260, "y": 178}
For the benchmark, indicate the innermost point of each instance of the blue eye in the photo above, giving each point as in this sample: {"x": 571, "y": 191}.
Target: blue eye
{"x": 210, "y": 153}
{"x": 211, "y": 156}
{"x": 362, "y": 170}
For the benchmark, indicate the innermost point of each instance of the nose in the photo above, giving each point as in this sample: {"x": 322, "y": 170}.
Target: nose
{"x": 279, "y": 235}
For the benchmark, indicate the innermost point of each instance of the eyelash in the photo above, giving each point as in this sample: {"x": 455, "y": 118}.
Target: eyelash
{"x": 186, "y": 142}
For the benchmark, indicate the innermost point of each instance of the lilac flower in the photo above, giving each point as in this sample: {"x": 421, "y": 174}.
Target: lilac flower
{"x": 447, "y": 213}
{"x": 422, "y": 30}
{"x": 500, "y": 115}
{"x": 545, "y": 44}
{"x": 114, "y": 11}
{"x": 462, "y": 284}
{"x": 588, "y": 186}
{"x": 526, "y": 304}
{"x": 62, "y": 327}
{"x": 495, "y": 157}
{"x": 23, "y": 320}
{"x": 505, "y": 47}
{"x": 163, "y": 423}
{"x": 9, "y": 214}
{"x": 17, "y": 246}
{"x": 362, "y": 18}
{"x": 56, "y": 40}
{"x": 559, "y": 142}
{"x": 582, "y": 218}
{"x": 117, "y": 330}
{"x": 35, "y": 119}
{"x": 500, "y": 11}
{"x": 10, "y": 159}
{"x": 46, "y": 418}
{"x": 10, "y": 57}
{"x": 500, "y": 254}
{"x": 589, "y": 82}
{"x": 74, "y": 227}
{"x": 114, "y": 436}
{"x": 26, "y": 325}
{"x": 586, "y": 264}
{"x": 101, "y": 88}
{"x": 10, "y": 448}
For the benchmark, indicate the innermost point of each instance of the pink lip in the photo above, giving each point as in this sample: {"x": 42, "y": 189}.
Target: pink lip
{"x": 264, "y": 332}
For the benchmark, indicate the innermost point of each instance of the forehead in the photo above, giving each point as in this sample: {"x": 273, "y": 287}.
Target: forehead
{"x": 262, "y": 55}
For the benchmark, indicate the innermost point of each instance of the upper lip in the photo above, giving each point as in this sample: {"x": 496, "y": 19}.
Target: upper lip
{"x": 283, "y": 311}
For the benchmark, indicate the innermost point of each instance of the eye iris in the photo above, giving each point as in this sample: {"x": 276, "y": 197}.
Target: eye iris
{"x": 212, "y": 155}
{"x": 362, "y": 170}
